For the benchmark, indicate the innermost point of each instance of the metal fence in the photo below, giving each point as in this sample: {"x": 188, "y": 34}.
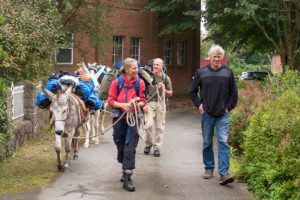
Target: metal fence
{"x": 17, "y": 101}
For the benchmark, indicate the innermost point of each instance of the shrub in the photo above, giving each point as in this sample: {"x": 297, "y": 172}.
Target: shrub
{"x": 5, "y": 131}
{"x": 281, "y": 83}
{"x": 271, "y": 161}
{"x": 251, "y": 97}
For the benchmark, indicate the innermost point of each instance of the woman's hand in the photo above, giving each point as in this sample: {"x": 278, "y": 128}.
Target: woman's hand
{"x": 127, "y": 107}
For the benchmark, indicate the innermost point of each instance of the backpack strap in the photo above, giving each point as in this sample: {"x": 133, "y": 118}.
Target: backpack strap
{"x": 164, "y": 77}
{"x": 137, "y": 86}
{"x": 121, "y": 85}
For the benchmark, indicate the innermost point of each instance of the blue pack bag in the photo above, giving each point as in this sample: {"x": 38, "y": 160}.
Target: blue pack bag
{"x": 53, "y": 85}
{"x": 42, "y": 101}
{"x": 93, "y": 102}
{"x": 84, "y": 89}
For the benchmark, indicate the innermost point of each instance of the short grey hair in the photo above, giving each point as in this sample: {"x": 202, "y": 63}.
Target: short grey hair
{"x": 216, "y": 49}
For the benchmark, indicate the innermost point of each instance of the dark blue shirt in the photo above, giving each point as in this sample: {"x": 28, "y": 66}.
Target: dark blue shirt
{"x": 218, "y": 90}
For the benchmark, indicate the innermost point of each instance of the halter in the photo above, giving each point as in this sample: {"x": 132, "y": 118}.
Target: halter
{"x": 67, "y": 115}
{"x": 82, "y": 116}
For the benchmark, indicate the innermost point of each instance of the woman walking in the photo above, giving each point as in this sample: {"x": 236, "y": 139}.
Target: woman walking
{"x": 125, "y": 92}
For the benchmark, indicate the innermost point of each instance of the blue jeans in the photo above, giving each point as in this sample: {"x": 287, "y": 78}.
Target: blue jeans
{"x": 208, "y": 123}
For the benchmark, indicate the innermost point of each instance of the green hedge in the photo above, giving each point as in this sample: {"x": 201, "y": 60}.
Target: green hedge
{"x": 5, "y": 124}
{"x": 271, "y": 161}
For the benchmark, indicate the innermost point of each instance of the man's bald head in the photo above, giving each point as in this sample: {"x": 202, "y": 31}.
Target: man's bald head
{"x": 158, "y": 66}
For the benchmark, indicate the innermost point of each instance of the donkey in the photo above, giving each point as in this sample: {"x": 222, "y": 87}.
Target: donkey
{"x": 96, "y": 119}
{"x": 93, "y": 128}
{"x": 69, "y": 116}
{"x": 95, "y": 125}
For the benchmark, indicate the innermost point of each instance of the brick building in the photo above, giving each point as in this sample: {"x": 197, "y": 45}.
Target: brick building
{"x": 135, "y": 32}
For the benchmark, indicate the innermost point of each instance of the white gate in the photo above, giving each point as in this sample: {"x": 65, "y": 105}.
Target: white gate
{"x": 17, "y": 101}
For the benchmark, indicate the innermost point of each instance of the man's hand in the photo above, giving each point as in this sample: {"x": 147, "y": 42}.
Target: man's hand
{"x": 145, "y": 109}
{"x": 201, "y": 108}
{"x": 160, "y": 86}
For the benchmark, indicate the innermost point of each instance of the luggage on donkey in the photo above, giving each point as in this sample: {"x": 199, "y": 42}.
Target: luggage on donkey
{"x": 86, "y": 91}
{"x": 107, "y": 79}
{"x": 42, "y": 100}
{"x": 84, "y": 88}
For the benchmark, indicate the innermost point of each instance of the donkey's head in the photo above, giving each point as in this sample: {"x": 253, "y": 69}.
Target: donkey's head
{"x": 59, "y": 108}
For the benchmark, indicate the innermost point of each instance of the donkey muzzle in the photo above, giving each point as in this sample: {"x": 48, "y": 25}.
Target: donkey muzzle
{"x": 59, "y": 132}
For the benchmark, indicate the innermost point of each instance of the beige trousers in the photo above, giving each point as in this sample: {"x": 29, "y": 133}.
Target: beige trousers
{"x": 155, "y": 120}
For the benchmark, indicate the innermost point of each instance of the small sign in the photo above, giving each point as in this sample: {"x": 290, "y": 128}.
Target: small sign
{"x": 276, "y": 64}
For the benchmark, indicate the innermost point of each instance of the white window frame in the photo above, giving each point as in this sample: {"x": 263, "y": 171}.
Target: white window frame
{"x": 135, "y": 50}
{"x": 168, "y": 46}
{"x": 181, "y": 52}
{"x": 115, "y": 38}
{"x": 69, "y": 48}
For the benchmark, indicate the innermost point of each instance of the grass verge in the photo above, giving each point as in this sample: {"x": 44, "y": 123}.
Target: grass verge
{"x": 33, "y": 165}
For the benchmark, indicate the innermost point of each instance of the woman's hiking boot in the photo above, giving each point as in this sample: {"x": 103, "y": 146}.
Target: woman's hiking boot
{"x": 128, "y": 185}
{"x": 122, "y": 178}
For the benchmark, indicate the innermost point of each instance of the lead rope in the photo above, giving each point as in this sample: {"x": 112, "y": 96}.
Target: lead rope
{"x": 79, "y": 137}
{"x": 161, "y": 99}
{"x": 133, "y": 119}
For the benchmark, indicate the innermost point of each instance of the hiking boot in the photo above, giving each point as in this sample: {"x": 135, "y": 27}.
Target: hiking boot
{"x": 147, "y": 150}
{"x": 128, "y": 185}
{"x": 122, "y": 178}
{"x": 208, "y": 174}
{"x": 225, "y": 179}
{"x": 157, "y": 153}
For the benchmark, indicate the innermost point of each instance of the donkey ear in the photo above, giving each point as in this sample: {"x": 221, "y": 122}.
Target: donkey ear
{"x": 49, "y": 94}
{"x": 69, "y": 90}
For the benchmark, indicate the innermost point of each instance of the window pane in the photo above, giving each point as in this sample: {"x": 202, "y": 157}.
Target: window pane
{"x": 64, "y": 56}
{"x": 135, "y": 48}
{"x": 181, "y": 52}
{"x": 117, "y": 49}
{"x": 168, "y": 51}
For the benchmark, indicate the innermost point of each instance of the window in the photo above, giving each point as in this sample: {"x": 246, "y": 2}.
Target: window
{"x": 65, "y": 55}
{"x": 135, "y": 48}
{"x": 168, "y": 52}
{"x": 117, "y": 49}
{"x": 181, "y": 52}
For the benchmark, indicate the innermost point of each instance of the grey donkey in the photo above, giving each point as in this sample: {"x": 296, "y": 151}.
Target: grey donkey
{"x": 68, "y": 117}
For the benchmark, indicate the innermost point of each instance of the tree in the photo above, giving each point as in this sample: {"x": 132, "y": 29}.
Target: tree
{"x": 31, "y": 31}
{"x": 259, "y": 25}
{"x": 176, "y": 15}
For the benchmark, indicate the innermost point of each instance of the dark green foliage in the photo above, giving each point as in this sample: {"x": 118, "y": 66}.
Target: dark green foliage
{"x": 260, "y": 25}
{"x": 176, "y": 15}
{"x": 5, "y": 129}
{"x": 2, "y": 52}
{"x": 271, "y": 160}
{"x": 30, "y": 31}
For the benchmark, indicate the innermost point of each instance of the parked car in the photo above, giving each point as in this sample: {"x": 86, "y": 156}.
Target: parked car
{"x": 255, "y": 75}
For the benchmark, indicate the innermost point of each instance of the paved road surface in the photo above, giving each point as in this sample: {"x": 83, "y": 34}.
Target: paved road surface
{"x": 176, "y": 175}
